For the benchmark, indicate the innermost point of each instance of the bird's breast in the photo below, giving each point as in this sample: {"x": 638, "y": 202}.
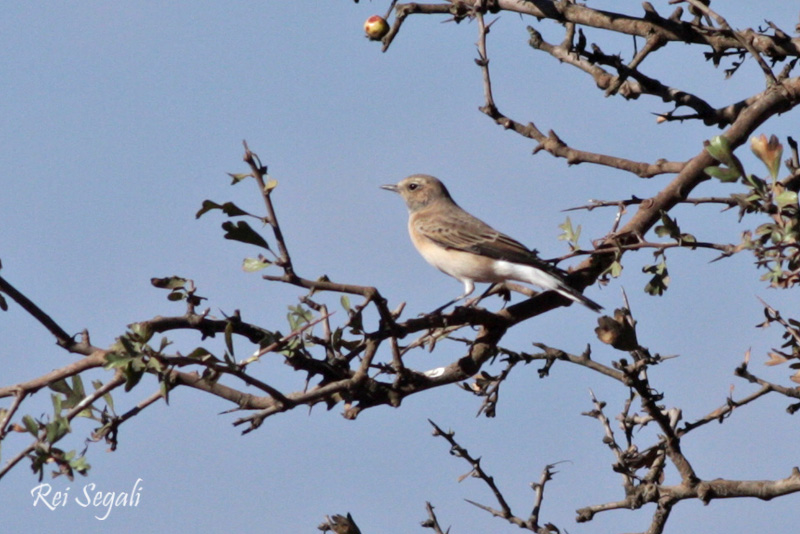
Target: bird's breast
{"x": 457, "y": 263}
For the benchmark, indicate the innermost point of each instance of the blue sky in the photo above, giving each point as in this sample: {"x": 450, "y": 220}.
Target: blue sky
{"x": 120, "y": 119}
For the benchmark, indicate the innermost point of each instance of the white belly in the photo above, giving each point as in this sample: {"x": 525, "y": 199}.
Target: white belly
{"x": 468, "y": 266}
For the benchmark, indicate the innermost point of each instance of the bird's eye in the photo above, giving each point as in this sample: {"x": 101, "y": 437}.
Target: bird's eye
{"x": 412, "y": 187}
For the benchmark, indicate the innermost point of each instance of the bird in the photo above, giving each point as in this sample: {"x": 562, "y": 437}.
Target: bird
{"x": 466, "y": 248}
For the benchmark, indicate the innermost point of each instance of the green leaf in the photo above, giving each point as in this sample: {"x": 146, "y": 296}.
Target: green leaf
{"x": 77, "y": 386}
{"x": 154, "y": 364}
{"x": 133, "y": 374}
{"x": 115, "y": 360}
{"x": 298, "y": 316}
{"x": 758, "y": 185}
{"x": 171, "y": 282}
{"x": 669, "y": 228}
{"x": 570, "y": 234}
{"x": 232, "y": 210}
{"x": 51, "y": 430}
{"x": 765, "y": 228}
{"x": 61, "y": 386}
{"x": 164, "y": 389}
{"x": 723, "y": 174}
{"x": 229, "y": 208}
{"x": 142, "y": 331}
{"x": 356, "y": 323}
{"x": 80, "y": 465}
{"x": 128, "y": 345}
{"x": 97, "y": 384}
{"x": 241, "y": 231}
{"x": 662, "y": 231}
{"x": 251, "y": 265}
{"x": 56, "y": 399}
{"x": 199, "y": 354}
{"x": 660, "y": 280}
{"x": 207, "y": 206}
{"x": 720, "y": 149}
{"x": 345, "y": 301}
{"x": 109, "y": 401}
{"x": 786, "y": 198}
{"x": 57, "y": 429}
{"x": 31, "y": 425}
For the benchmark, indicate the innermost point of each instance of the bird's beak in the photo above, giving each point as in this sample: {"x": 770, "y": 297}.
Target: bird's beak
{"x": 390, "y": 187}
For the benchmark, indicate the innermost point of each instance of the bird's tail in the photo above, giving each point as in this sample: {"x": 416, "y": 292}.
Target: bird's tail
{"x": 574, "y": 294}
{"x": 547, "y": 280}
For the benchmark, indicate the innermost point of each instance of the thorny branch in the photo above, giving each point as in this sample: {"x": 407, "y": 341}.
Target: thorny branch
{"x": 504, "y": 512}
{"x": 347, "y": 365}
{"x": 433, "y": 522}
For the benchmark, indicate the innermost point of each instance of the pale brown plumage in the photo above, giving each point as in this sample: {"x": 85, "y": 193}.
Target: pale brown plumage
{"x": 467, "y": 248}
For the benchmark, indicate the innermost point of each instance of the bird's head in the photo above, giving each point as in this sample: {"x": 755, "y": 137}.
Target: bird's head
{"x": 420, "y": 190}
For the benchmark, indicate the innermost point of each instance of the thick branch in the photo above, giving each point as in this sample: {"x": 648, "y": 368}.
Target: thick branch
{"x": 777, "y": 47}
{"x": 93, "y": 361}
{"x": 705, "y": 491}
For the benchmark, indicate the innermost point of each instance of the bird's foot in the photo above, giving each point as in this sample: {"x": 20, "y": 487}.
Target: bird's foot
{"x": 440, "y": 309}
{"x": 471, "y": 303}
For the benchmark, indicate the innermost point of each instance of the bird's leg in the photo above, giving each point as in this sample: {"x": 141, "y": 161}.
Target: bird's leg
{"x": 469, "y": 287}
{"x": 441, "y": 308}
{"x": 473, "y": 301}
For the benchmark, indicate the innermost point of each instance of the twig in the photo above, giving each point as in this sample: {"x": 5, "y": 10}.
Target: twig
{"x": 478, "y": 472}
{"x": 671, "y": 438}
{"x": 18, "y": 397}
{"x": 483, "y": 62}
{"x": 538, "y": 489}
{"x": 432, "y": 521}
{"x": 550, "y": 355}
{"x": 654, "y": 42}
{"x": 115, "y": 382}
{"x": 721, "y": 413}
{"x": 727, "y": 249}
{"x": 633, "y": 201}
{"x": 743, "y": 372}
{"x": 62, "y": 338}
{"x": 259, "y": 172}
{"x": 611, "y": 442}
{"x": 275, "y": 345}
{"x": 746, "y": 43}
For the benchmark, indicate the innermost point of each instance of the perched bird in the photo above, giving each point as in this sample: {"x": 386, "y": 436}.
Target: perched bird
{"x": 467, "y": 248}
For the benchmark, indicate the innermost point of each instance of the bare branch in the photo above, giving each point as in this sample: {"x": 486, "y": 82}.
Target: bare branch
{"x": 9, "y": 414}
{"x": 743, "y": 39}
{"x": 611, "y": 442}
{"x": 62, "y": 338}
{"x": 432, "y": 522}
{"x": 93, "y": 361}
{"x": 538, "y": 489}
{"x": 672, "y": 30}
{"x": 478, "y": 472}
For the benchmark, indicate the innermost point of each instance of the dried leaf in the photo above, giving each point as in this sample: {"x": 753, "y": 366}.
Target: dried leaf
{"x": 775, "y": 359}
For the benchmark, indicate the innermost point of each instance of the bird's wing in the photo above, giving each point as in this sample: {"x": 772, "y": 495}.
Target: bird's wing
{"x": 461, "y": 231}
